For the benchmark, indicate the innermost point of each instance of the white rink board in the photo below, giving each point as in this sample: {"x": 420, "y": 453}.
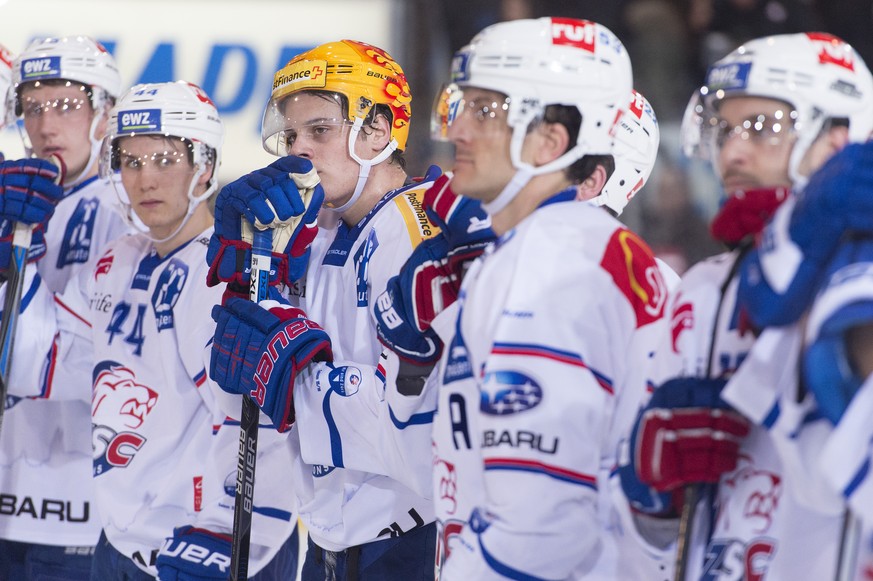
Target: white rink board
{"x": 232, "y": 47}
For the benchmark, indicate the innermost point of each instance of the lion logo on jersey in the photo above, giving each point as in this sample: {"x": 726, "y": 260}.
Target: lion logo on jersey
{"x": 118, "y": 401}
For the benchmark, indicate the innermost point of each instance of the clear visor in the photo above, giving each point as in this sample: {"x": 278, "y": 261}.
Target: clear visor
{"x": 451, "y": 104}
{"x": 705, "y": 131}
{"x": 285, "y": 123}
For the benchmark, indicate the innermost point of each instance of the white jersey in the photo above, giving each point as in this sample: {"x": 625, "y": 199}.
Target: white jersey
{"x": 758, "y": 528}
{"x": 348, "y": 495}
{"x": 132, "y": 334}
{"x": 46, "y": 489}
{"x": 541, "y": 381}
{"x": 831, "y": 463}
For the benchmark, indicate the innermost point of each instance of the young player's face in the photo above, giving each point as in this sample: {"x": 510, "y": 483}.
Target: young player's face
{"x": 58, "y": 120}
{"x": 481, "y": 137}
{"x": 316, "y": 129}
{"x": 156, "y": 173}
{"x": 755, "y": 143}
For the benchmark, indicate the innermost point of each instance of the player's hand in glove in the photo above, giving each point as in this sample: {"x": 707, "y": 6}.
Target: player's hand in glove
{"x": 686, "y": 434}
{"x": 193, "y": 554}
{"x": 37, "y": 243}
{"x": 284, "y": 196}
{"x": 430, "y": 279}
{"x": 28, "y": 191}
{"x": 779, "y": 278}
{"x": 463, "y": 222}
{"x": 258, "y": 350}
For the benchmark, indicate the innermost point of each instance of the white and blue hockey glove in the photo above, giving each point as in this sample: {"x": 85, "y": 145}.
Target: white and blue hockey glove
{"x": 285, "y": 196}
{"x": 258, "y": 350}
{"x": 193, "y": 554}
{"x": 686, "y": 434}
{"x": 828, "y": 369}
{"x": 779, "y": 278}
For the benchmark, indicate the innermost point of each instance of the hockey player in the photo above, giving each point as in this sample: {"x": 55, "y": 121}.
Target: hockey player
{"x": 769, "y": 115}
{"x": 130, "y": 336}
{"x": 62, "y": 91}
{"x": 343, "y": 108}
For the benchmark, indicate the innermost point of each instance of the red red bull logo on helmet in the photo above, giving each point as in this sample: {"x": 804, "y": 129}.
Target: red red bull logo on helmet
{"x": 833, "y": 50}
{"x": 634, "y": 270}
{"x": 572, "y": 32}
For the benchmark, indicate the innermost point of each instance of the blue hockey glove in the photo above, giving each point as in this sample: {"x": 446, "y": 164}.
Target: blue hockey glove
{"x": 37, "y": 244}
{"x": 193, "y": 554}
{"x": 779, "y": 278}
{"x": 686, "y": 434}
{"x": 258, "y": 350}
{"x": 28, "y": 192}
{"x": 285, "y": 196}
{"x": 845, "y": 303}
{"x": 463, "y": 222}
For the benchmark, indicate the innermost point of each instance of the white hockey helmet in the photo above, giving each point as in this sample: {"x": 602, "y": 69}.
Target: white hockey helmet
{"x": 79, "y": 59}
{"x": 6, "y": 59}
{"x": 178, "y": 109}
{"x": 541, "y": 62}
{"x": 636, "y": 147}
{"x": 817, "y": 74}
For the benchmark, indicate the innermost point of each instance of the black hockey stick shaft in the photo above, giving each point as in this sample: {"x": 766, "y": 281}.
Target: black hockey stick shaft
{"x": 248, "y": 435}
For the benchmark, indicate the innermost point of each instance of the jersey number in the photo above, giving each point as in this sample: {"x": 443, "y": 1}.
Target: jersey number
{"x": 119, "y": 316}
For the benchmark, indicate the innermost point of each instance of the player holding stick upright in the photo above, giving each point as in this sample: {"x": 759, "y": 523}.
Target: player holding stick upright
{"x": 130, "y": 337}
{"x": 62, "y": 91}
{"x": 769, "y": 115}
{"x": 344, "y": 108}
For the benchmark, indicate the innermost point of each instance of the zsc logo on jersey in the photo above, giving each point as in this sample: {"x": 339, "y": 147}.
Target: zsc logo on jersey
{"x": 509, "y": 392}
{"x": 48, "y": 67}
{"x": 119, "y": 407}
{"x": 729, "y": 76}
{"x": 134, "y": 120}
{"x": 633, "y": 269}
{"x": 576, "y": 33}
{"x": 167, "y": 291}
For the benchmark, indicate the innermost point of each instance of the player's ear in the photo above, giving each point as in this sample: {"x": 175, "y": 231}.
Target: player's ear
{"x": 592, "y": 185}
{"x": 551, "y": 141}
{"x": 378, "y": 132}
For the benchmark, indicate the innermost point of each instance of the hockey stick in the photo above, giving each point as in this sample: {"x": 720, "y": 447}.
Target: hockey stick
{"x": 850, "y": 541}
{"x": 693, "y": 491}
{"x": 262, "y": 244}
{"x": 21, "y": 238}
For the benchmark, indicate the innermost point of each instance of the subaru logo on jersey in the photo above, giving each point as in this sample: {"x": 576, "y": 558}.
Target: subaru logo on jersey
{"x": 41, "y": 68}
{"x": 731, "y": 76}
{"x": 167, "y": 291}
{"x": 508, "y": 392}
{"x": 139, "y": 120}
{"x": 345, "y": 381}
{"x": 76, "y": 244}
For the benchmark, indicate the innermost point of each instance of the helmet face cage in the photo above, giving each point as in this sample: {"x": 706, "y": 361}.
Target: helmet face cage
{"x": 548, "y": 61}
{"x": 364, "y": 74}
{"x": 637, "y": 137}
{"x": 177, "y": 110}
{"x": 817, "y": 75}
